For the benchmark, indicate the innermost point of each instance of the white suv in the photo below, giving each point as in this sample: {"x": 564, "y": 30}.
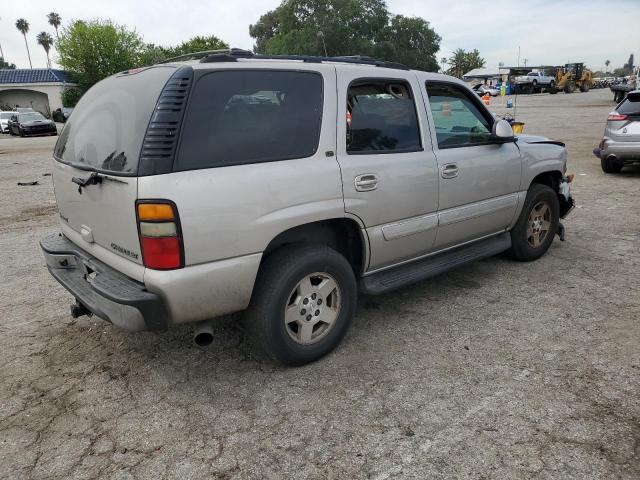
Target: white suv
{"x": 282, "y": 185}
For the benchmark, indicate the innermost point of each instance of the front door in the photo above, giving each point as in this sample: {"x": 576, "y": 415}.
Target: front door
{"x": 479, "y": 179}
{"x": 389, "y": 170}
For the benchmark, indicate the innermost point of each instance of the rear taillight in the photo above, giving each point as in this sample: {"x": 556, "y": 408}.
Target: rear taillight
{"x": 160, "y": 234}
{"x": 616, "y": 117}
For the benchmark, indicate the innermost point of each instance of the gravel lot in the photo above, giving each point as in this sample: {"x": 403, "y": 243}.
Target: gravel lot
{"x": 497, "y": 370}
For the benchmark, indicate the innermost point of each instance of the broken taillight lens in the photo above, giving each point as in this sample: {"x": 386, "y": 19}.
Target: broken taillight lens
{"x": 160, "y": 234}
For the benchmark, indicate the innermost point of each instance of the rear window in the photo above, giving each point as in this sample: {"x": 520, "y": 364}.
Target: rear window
{"x": 630, "y": 106}
{"x": 251, "y": 116}
{"x": 110, "y": 120}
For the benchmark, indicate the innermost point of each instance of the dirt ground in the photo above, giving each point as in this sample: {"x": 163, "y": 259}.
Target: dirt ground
{"x": 496, "y": 370}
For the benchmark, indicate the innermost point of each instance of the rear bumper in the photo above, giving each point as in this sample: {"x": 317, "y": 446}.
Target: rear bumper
{"x": 626, "y": 151}
{"x": 104, "y": 291}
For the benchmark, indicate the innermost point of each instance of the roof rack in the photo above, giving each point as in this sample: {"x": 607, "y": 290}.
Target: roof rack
{"x": 196, "y": 55}
{"x": 233, "y": 54}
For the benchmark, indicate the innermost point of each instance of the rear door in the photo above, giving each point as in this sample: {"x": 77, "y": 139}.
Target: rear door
{"x": 389, "y": 171}
{"x": 105, "y": 137}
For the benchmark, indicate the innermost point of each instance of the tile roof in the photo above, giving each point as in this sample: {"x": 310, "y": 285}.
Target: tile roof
{"x": 35, "y": 75}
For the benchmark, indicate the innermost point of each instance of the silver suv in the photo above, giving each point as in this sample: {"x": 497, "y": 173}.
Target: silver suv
{"x": 620, "y": 144}
{"x": 283, "y": 186}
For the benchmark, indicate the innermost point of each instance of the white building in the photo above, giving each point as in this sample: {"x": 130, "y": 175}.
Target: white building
{"x": 38, "y": 88}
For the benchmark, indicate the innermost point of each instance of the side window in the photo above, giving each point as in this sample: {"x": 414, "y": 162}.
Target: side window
{"x": 238, "y": 117}
{"x": 458, "y": 122}
{"x": 381, "y": 118}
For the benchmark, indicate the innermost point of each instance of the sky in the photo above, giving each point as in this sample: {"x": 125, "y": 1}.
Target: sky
{"x": 548, "y": 32}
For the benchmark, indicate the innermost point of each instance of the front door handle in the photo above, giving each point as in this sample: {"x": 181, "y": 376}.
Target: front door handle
{"x": 449, "y": 170}
{"x": 366, "y": 182}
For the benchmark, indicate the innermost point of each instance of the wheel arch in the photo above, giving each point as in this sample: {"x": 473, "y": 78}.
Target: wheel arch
{"x": 345, "y": 235}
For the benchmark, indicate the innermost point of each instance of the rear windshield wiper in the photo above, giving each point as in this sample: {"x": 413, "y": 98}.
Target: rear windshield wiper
{"x": 94, "y": 179}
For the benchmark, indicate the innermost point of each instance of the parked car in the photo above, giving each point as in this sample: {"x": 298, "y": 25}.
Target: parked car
{"x": 4, "y": 121}
{"x": 191, "y": 190}
{"x": 31, "y": 124}
{"x": 61, "y": 115}
{"x": 481, "y": 89}
{"x": 620, "y": 144}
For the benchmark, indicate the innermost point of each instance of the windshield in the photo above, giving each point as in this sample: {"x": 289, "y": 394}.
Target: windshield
{"x": 30, "y": 117}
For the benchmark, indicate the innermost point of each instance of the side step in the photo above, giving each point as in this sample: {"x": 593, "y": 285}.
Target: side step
{"x": 419, "y": 270}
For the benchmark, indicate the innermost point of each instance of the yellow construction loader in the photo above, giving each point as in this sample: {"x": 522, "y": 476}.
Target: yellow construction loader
{"x": 571, "y": 77}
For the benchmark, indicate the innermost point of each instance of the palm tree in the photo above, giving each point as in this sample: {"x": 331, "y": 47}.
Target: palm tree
{"x": 55, "y": 20}
{"x": 606, "y": 64}
{"x": 23, "y": 26}
{"x": 46, "y": 40}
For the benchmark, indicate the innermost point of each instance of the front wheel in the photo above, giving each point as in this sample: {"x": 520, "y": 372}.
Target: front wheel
{"x": 302, "y": 304}
{"x": 533, "y": 233}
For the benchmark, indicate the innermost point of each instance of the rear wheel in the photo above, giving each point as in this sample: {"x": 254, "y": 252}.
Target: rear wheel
{"x": 302, "y": 304}
{"x": 611, "y": 165}
{"x": 569, "y": 87}
{"x": 533, "y": 233}
{"x": 584, "y": 87}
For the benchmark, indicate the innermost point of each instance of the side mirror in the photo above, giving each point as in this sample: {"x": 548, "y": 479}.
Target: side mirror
{"x": 502, "y": 131}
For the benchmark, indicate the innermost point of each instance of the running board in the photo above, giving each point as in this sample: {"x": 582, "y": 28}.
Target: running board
{"x": 419, "y": 270}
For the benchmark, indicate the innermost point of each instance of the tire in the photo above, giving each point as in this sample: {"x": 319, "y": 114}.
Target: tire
{"x": 21, "y": 132}
{"x": 569, "y": 87}
{"x": 610, "y": 165}
{"x": 540, "y": 206}
{"x": 584, "y": 87}
{"x": 281, "y": 284}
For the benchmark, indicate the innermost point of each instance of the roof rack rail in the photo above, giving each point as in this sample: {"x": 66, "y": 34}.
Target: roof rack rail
{"x": 203, "y": 53}
{"x": 233, "y": 54}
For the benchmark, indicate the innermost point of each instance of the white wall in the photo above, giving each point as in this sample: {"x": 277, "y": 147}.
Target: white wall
{"x": 44, "y": 98}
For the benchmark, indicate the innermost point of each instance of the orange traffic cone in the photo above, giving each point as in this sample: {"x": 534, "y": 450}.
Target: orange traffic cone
{"x": 446, "y": 109}
{"x": 486, "y": 98}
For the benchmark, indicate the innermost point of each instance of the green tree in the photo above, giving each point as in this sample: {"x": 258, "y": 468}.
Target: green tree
{"x": 154, "y": 53}
{"x": 55, "y": 21}
{"x": 606, "y": 64}
{"x": 462, "y": 62}
{"x": 46, "y": 41}
{"x": 96, "y": 49}
{"x": 6, "y": 65}
{"x": 409, "y": 40}
{"x": 23, "y": 26}
{"x": 345, "y": 27}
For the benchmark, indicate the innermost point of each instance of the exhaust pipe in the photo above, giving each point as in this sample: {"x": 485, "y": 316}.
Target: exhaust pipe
{"x": 203, "y": 334}
{"x": 612, "y": 158}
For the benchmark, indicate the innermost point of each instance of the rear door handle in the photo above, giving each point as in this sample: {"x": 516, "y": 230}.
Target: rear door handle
{"x": 449, "y": 170}
{"x": 366, "y": 182}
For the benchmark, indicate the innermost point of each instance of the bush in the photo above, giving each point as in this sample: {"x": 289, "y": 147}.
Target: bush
{"x": 71, "y": 96}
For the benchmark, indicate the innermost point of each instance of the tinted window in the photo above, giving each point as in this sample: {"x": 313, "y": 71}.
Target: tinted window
{"x": 6, "y": 115}
{"x": 631, "y": 106}
{"x": 110, "y": 120}
{"x": 457, "y": 119}
{"x": 251, "y": 116}
{"x": 381, "y": 118}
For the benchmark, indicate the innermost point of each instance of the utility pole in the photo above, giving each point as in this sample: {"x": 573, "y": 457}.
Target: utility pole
{"x": 321, "y": 35}
{"x": 1, "y": 52}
